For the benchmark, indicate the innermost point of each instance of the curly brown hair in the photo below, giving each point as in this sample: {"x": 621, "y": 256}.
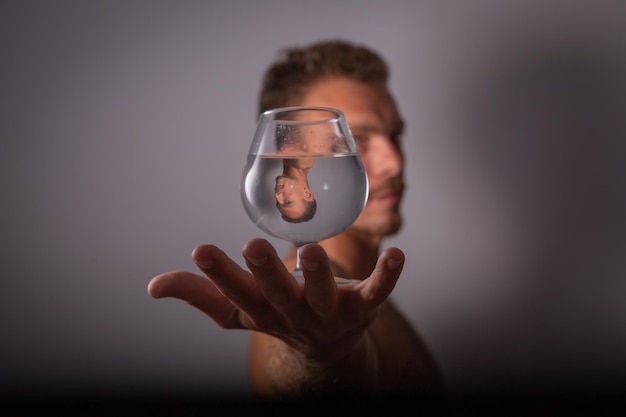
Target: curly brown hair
{"x": 286, "y": 81}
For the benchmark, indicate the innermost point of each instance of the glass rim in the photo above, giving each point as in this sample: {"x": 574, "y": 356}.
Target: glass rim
{"x": 272, "y": 112}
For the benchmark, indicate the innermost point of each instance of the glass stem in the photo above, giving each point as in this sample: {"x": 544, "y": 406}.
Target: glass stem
{"x": 297, "y": 272}
{"x": 298, "y": 260}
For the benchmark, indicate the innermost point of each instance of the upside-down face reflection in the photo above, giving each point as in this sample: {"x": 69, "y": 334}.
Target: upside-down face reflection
{"x": 294, "y": 200}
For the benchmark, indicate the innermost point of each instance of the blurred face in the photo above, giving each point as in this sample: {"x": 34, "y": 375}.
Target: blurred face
{"x": 376, "y": 126}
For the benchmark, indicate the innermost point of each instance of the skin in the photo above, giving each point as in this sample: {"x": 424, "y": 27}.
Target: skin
{"x": 321, "y": 336}
{"x": 292, "y": 191}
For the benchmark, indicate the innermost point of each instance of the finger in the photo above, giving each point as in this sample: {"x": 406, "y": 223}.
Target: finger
{"x": 383, "y": 279}
{"x": 319, "y": 284}
{"x": 198, "y": 292}
{"x": 276, "y": 283}
{"x": 233, "y": 282}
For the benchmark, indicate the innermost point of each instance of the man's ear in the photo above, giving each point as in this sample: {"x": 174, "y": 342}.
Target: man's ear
{"x": 308, "y": 195}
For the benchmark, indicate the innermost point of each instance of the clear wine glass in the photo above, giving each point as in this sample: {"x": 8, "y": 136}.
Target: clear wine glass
{"x": 303, "y": 181}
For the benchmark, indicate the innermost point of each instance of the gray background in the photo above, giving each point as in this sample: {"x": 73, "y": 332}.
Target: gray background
{"x": 124, "y": 127}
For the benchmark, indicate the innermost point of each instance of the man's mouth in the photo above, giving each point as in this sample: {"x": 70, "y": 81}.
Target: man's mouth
{"x": 386, "y": 196}
{"x": 389, "y": 192}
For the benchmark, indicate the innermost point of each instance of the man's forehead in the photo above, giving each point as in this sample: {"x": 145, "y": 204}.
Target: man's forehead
{"x": 347, "y": 92}
{"x": 366, "y": 106}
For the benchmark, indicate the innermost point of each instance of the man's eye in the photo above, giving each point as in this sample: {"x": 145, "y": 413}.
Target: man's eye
{"x": 396, "y": 138}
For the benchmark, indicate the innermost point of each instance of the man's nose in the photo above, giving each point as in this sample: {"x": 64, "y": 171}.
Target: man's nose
{"x": 384, "y": 157}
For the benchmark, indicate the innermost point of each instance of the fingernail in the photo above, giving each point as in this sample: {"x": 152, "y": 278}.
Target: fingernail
{"x": 257, "y": 261}
{"x": 310, "y": 265}
{"x": 205, "y": 264}
{"x": 393, "y": 264}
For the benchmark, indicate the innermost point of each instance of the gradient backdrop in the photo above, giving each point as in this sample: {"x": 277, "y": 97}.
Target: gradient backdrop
{"x": 124, "y": 126}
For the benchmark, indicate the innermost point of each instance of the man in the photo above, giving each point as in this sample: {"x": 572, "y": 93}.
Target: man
{"x": 294, "y": 198}
{"x": 322, "y": 337}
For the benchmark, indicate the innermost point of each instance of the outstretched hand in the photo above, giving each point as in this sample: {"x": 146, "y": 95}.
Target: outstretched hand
{"x": 315, "y": 317}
